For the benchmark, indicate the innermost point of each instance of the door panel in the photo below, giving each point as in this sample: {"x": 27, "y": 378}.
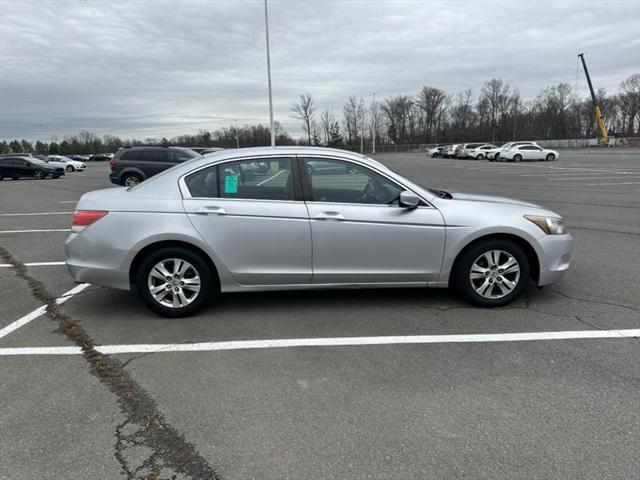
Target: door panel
{"x": 361, "y": 235}
{"x": 261, "y": 240}
{"x": 375, "y": 243}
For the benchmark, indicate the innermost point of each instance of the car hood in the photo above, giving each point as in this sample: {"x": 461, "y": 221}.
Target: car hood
{"x": 471, "y": 197}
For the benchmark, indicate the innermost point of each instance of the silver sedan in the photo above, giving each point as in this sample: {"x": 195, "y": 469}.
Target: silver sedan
{"x": 308, "y": 218}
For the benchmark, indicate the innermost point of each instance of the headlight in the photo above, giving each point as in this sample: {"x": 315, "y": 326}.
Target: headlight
{"x": 549, "y": 225}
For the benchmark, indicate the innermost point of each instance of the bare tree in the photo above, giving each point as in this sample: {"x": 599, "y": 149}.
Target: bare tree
{"x": 327, "y": 119}
{"x": 353, "y": 112}
{"x": 431, "y": 100}
{"x": 304, "y": 111}
{"x": 629, "y": 103}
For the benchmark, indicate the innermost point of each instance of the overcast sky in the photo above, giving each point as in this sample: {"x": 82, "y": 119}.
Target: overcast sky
{"x": 161, "y": 68}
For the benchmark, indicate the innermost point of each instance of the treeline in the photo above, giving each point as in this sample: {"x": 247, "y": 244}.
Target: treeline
{"x": 86, "y": 142}
{"x": 496, "y": 113}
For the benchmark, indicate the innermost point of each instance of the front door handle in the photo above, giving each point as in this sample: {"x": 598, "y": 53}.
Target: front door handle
{"x": 329, "y": 216}
{"x": 211, "y": 211}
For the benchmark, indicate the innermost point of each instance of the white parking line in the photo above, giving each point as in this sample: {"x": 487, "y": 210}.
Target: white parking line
{"x": 327, "y": 342}
{"x": 592, "y": 177}
{"x": 614, "y": 183}
{"x": 32, "y": 214}
{"x": 69, "y": 201}
{"x": 36, "y": 231}
{"x": 34, "y": 264}
{"x": 21, "y": 322}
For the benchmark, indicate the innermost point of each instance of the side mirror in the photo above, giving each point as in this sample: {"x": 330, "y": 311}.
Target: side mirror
{"x": 409, "y": 200}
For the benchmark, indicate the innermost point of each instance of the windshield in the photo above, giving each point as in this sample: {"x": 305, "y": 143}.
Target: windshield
{"x": 36, "y": 160}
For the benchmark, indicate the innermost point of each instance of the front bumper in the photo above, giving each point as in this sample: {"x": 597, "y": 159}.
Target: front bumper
{"x": 554, "y": 257}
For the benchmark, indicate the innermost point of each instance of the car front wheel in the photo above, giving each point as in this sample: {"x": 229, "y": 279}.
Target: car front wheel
{"x": 174, "y": 282}
{"x": 70, "y": 168}
{"x": 492, "y": 273}
{"x": 38, "y": 174}
{"x": 551, "y": 157}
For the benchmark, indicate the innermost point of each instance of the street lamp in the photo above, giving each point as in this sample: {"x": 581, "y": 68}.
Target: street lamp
{"x": 374, "y": 114}
{"x": 266, "y": 25}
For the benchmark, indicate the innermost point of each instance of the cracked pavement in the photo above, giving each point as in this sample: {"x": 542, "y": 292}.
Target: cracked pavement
{"x": 544, "y": 409}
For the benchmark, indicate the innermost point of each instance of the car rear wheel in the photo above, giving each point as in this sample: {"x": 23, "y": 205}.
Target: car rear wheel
{"x": 69, "y": 168}
{"x": 551, "y": 157}
{"x": 174, "y": 282}
{"x": 131, "y": 179}
{"x": 492, "y": 273}
{"x": 517, "y": 157}
{"x": 38, "y": 175}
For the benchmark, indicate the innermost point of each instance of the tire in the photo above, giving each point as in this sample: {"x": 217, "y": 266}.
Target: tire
{"x": 39, "y": 175}
{"x": 130, "y": 179}
{"x": 517, "y": 157}
{"x": 480, "y": 157}
{"x": 191, "y": 301}
{"x": 498, "y": 292}
{"x": 70, "y": 168}
{"x": 550, "y": 158}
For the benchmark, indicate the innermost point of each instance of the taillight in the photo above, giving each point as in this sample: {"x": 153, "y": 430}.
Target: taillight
{"x": 113, "y": 163}
{"x": 83, "y": 218}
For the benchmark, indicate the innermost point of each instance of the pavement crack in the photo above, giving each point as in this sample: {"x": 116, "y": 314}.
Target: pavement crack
{"x": 594, "y": 302}
{"x": 145, "y": 438}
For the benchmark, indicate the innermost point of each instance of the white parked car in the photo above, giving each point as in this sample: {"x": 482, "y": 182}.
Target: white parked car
{"x": 528, "y": 152}
{"x": 494, "y": 153}
{"x": 450, "y": 151}
{"x": 464, "y": 150}
{"x": 67, "y": 163}
{"x": 479, "y": 152}
{"x": 437, "y": 151}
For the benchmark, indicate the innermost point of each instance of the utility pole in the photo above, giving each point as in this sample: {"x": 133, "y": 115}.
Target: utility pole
{"x": 362, "y": 135}
{"x": 374, "y": 112}
{"x": 266, "y": 25}
{"x": 237, "y": 137}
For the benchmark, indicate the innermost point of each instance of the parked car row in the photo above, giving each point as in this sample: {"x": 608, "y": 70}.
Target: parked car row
{"x": 21, "y": 166}
{"x": 511, "y": 152}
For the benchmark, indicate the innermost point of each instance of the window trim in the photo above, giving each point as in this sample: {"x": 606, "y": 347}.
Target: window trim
{"x": 297, "y": 188}
{"x": 306, "y": 182}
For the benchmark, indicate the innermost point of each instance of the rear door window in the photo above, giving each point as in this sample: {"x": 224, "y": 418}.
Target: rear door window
{"x": 154, "y": 155}
{"x": 268, "y": 179}
{"x": 130, "y": 155}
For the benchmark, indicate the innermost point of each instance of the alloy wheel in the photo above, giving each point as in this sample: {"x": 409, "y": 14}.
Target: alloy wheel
{"x": 494, "y": 274}
{"x": 131, "y": 180}
{"x": 38, "y": 175}
{"x": 174, "y": 283}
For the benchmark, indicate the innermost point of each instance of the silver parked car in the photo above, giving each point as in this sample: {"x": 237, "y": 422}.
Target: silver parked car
{"x": 218, "y": 223}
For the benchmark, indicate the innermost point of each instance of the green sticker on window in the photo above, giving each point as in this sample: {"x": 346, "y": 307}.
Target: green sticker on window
{"x": 231, "y": 184}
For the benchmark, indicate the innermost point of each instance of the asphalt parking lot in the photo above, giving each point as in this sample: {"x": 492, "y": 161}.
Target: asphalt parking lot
{"x": 502, "y": 407}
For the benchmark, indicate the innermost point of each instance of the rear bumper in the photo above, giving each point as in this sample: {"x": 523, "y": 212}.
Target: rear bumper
{"x": 555, "y": 257}
{"x": 91, "y": 261}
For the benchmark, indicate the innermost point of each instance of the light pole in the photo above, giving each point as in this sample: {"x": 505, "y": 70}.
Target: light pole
{"x": 266, "y": 25}
{"x": 237, "y": 137}
{"x": 374, "y": 113}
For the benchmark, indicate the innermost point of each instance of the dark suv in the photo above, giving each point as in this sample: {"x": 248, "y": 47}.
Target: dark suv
{"x": 16, "y": 166}
{"x": 132, "y": 165}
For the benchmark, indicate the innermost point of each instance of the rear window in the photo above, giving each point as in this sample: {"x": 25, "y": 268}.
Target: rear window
{"x": 178, "y": 155}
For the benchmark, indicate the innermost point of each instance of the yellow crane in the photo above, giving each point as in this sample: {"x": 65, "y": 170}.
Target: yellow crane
{"x": 604, "y": 137}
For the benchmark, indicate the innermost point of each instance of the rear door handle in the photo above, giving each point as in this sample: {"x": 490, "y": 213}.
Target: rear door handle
{"x": 329, "y": 216}
{"x": 211, "y": 211}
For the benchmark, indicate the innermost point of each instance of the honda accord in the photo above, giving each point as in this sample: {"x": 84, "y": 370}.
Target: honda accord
{"x": 309, "y": 218}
